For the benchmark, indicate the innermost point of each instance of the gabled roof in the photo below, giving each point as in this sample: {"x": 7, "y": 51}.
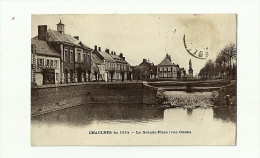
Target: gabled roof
{"x": 96, "y": 59}
{"x": 106, "y": 56}
{"x": 42, "y": 48}
{"x": 56, "y": 36}
{"x": 145, "y": 63}
{"x": 144, "y": 70}
{"x": 85, "y": 46}
{"x": 118, "y": 59}
{"x": 165, "y": 61}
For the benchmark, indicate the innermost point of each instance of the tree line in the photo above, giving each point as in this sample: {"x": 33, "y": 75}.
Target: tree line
{"x": 223, "y": 67}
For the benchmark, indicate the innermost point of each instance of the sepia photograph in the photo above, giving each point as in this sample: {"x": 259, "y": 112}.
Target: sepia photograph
{"x": 133, "y": 79}
{"x": 128, "y": 79}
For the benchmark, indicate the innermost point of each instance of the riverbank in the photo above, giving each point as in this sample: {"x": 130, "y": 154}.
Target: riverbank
{"x": 199, "y": 97}
{"x": 192, "y": 83}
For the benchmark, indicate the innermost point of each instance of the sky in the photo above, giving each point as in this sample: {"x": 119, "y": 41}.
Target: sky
{"x": 148, "y": 36}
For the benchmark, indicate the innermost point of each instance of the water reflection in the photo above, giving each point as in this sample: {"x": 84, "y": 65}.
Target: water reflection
{"x": 84, "y": 115}
{"x": 71, "y": 126}
{"x": 228, "y": 114}
{"x": 189, "y": 111}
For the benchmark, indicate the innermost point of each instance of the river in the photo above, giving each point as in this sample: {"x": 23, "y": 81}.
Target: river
{"x": 135, "y": 124}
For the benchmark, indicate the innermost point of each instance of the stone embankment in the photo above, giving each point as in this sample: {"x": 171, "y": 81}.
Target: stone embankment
{"x": 47, "y": 98}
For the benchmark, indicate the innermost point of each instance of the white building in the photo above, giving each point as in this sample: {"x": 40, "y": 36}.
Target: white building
{"x": 166, "y": 69}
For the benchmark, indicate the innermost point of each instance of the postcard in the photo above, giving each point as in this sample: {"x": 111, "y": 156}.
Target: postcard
{"x": 133, "y": 79}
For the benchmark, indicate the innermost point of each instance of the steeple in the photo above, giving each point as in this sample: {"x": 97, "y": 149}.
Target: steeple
{"x": 60, "y": 27}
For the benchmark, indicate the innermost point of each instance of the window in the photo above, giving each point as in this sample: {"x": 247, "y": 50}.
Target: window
{"x": 48, "y": 63}
{"x": 88, "y": 60}
{"x": 65, "y": 55}
{"x": 56, "y": 64}
{"x": 51, "y": 63}
{"x": 78, "y": 57}
{"x": 84, "y": 57}
{"x": 40, "y": 63}
{"x": 71, "y": 56}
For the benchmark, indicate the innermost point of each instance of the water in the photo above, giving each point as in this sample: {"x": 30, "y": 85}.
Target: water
{"x": 207, "y": 126}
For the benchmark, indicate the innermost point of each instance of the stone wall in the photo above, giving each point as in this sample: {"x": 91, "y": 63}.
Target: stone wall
{"x": 47, "y": 98}
{"x": 149, "y": 94}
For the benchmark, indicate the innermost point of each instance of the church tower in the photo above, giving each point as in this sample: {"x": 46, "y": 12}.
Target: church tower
{"x": 190, "y": 70}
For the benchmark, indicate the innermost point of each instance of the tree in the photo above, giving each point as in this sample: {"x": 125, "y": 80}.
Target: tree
{"x": 111, "y": 72}
{"x": 219, "y": 67}
{"x": 231, "y": 52}
{"x": 122, "y": 74}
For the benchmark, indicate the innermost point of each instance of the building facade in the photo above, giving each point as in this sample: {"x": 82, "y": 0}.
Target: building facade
{"x": 122, "y": 69}
{"x": 97, "y": 69}
{"x": 166, "y": 69}
{"x": 145, "y": 70}
{"x": 108, "y": 61}
{"x": 75, "y": 57}
{"x": 45, "y": 63}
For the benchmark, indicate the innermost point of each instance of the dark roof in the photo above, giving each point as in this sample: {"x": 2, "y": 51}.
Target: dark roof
{"x": 96, "y": 59}
{"x": 145, "y": 63}
{"x": 85, "y": 46}
{"x": 106, "y": 56}
{"x": 144, "y": 70}
{"x": 56, "y": 36}
{"x": 166, "y": 61}
{"x": 43, "y": 48}
{"x": 118, "y": 59}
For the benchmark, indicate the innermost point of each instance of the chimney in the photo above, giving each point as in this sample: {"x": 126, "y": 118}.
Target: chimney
{"x": 121, "y": 55}
{"x": 114, "y": 53}
{"x": 60, "y": 27}
{"x": 95, "y": 47}
{"x": 144, "y": 60}
{"x": 168, "y": 56}
{"x": 42, "y": 32}
{"x": 107, "y": 50}
{"x": 99, "y": 48}
{"x": 76, "y": 37}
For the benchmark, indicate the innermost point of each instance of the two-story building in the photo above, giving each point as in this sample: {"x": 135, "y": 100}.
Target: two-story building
{"x": 167, "y": 69}
{"x": 45, "y": 62}
{"x": 97, "y": 69}
{"x": 75, "y": 57}
{"x": 109, "y": 62}
{"x": 122, "y": 70}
